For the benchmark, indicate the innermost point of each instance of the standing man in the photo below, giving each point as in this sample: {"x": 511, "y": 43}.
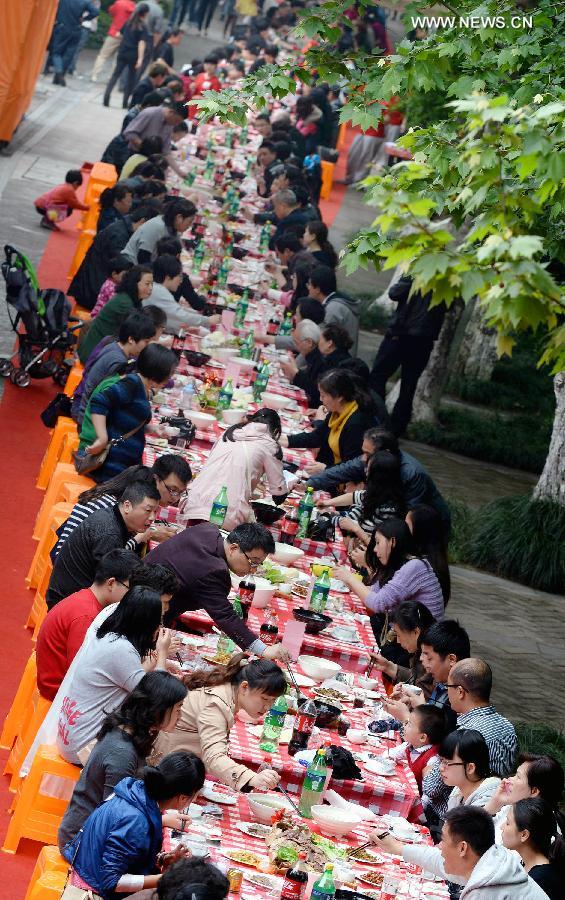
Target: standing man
{"x": 202, "y": 559}
{"x": 66, "y": 34}
{"x": 120, "y": 12}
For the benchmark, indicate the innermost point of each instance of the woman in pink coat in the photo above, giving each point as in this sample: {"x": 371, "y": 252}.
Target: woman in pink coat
{"x": 239, "y": 459}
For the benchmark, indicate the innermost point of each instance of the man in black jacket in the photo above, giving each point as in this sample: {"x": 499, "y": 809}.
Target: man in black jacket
{"x": 407, "y": 344}
{"x": 107, "y": 244}
{"x": 104, "y": 530}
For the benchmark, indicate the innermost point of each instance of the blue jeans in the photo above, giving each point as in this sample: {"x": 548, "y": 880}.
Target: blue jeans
{"x": 63, "y": 47}
{"x": 180, "y": 10}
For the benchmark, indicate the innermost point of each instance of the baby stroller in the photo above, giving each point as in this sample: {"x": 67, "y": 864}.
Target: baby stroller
{"x": 45, "y": 317}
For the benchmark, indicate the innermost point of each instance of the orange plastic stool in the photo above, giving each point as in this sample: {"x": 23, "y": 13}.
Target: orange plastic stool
{"x": 49, "y": 860}
{"x": 74, "y": 379}
{"x": 38, "y": 609}
{"x": 37, "y": 816}
{"x": 63, "y": 473}
{"x": 71, "y": 492}
{"x": 49, "y": 886}
{"x": 102, "y": 175}
{"x": 341, "y": 136}
{"x": 70, "y": 444}
{"x": 37, "y": 711}
{"x": 51, "y": 458}
{"x": 20, "y": 705}
{"x": 83, "y": 245}
{"x": 327, "y": 179}
{"x": 60, "y": 512}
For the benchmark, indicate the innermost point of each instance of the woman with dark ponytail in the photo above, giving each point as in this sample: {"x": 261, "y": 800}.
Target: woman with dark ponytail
{"x": 123, "y": 744}
{"x": 209, "y": 711}
{"x": 115, "y": 203}
{"x": 531, "y": 830}
{"x": 116, "y": 851}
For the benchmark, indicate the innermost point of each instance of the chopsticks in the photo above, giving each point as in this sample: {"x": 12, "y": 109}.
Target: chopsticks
{"x": 354, "y": 850}
{"x": 293, "y": 679}
{"x": 371, "y": 664}
{"x": 289, "y": 798}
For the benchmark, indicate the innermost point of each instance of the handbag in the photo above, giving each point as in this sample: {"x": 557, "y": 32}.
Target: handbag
{"x": 74, "y": 893}
{"x": 60, "y": 405}
{"x": 89, "y": 462}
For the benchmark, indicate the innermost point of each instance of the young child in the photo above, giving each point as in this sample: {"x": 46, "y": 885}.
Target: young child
{"x": 60, "y": 201}
{"x": 423, "y": 733}
{"x": 119, "y": 265}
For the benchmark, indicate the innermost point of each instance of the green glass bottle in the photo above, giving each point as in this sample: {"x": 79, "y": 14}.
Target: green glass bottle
{"x": 320, "y": 593}
{"x": 314, "y": 784}
{"x": 324, "y": 887}
{"x": 248, "y": 346}
{"x": 273, "y": 725}
{"x": 305, "y": 508}
{"x": 219, "y": 507}
{"x": 286, "y": 324}
{"x": 225, "y": 396}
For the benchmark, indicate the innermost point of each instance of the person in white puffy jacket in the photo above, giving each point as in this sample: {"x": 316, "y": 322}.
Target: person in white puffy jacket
{"x": 467, "y": 855}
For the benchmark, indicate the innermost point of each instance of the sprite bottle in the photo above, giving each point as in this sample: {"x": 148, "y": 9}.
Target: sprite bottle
{"x": 226, "y": 394}
{"x": 320, "y": 593}
{"x": 314, "y": 784}
{"x": 219, "y": 507}
{"x": 305, "y": 508}
{"x": 324, "y": 887}
{"x": 273, "y": 725}
{"x": 286, "y": 324}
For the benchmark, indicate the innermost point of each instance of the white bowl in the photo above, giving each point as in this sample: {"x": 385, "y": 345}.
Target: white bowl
{"x": 318, "y": 669}
{"x": 233, "y": 416}
{"x": 274, "y": 401}
{"x": 368, "y": 684}
{"x": 243, "y": 364}
{"x": 334, "y": 821}
{"x": 286, "y": 554}
{"x": 201, "y": 419}
{"x": 356, "y": 735}
{"x": 263, "y": 806}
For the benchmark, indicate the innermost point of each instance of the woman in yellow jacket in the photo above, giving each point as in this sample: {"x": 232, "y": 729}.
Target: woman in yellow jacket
{"x": 208, "y": 713}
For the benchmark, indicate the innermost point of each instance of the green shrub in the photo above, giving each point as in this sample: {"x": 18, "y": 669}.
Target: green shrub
{"x": 514, "y": 442}
{"x": 542, "y": 739}
{"x": 462, "y": 519}
{"x": 521, "y": 539}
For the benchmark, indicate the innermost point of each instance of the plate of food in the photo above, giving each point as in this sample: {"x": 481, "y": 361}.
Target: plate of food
{"x": 384, "y": 766}
{"x": 254, "y": 829}
{"x": 218, "y": 793}
{"x": 375, "y": 879}
{"x": 364, "y": 856}
{"x": 331, "y": 695}
{"x": 243, "y": 857}
{"x": 270, "y": 883}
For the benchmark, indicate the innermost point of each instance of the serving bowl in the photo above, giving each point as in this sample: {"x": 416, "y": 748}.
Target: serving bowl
{"x": 263, "y": 806}
{"x": 233, "y": 416}
{"x": 267, "y": 513}
{"x": 315, "y": 622}
{"x": 201, "y": 419}
{"x": 318, "y": 669}
{"x": 274, "y": 401}
{"x": 286, "y": 554}
{"x": 333, "y": 821}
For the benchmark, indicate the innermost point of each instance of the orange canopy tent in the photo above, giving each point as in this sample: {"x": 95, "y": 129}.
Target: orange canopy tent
{"x": 25, "y": 29}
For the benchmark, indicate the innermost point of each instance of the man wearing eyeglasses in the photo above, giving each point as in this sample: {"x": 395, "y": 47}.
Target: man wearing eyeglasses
{"x": 203, "y": 560}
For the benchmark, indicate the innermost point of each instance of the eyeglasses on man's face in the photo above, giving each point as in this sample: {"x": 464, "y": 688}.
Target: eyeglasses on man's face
{"x": 174, "y": 491}
{"x": 253, "y": 563}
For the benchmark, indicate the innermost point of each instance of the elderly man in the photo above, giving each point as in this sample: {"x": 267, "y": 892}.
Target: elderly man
{"x": 288, "y": 214}
{"x": 306, "y": 336}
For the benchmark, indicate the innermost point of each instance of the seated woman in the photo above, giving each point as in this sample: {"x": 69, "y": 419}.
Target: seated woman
{"x": 171, "y": 474}
{"x": 117, "y": 851}
{"x": 136, "y": 285}
{"x": 115, "y": 203}
{"x": 334, "y": 345}
{"x": 315, "y": 241}
{"x": 536, "y": 776}
{"x": 119, "y": 409}
{"x": 122, "y": 746}
{"x": 209, "y": 711}
{"x": 398, "y": 573}
{"x": 240, "y": 458}
{"x": 347, "y": 412}
{"x": 409, "y": 622}
{"x": 382, "y": 498}
{"x": 428, "y": 535}
{"x": 465, "y": 767}
{"x": 111, "y": 667}
{"x": 531, "y": 830}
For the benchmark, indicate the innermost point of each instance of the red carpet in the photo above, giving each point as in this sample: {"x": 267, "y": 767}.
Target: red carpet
{"x": 24, "y": 439}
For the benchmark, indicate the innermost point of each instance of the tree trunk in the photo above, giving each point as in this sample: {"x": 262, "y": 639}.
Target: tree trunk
{"x": 432, "y": 381}
{"x": 477, "y": 352}
{"x": 551, "y": 485}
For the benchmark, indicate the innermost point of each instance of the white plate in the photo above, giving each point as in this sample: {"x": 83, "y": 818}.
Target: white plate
{"x": 217, "y": 796}
{"x": 338, "y": 586}
{"x": 301, "y": 680}
{"x": 229, "y": 855}
{"x": 375, "y": 861}
{"x": 269, "y": 883}
{"x": 245, "y": 826}
{"x": 343, "y": 698}
{"x": 375, "y": 766}
{"x": 337, "y": 636}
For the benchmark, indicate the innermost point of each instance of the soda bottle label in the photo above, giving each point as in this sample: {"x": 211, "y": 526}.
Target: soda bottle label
{"x": 246, "y": 594}
{"x": 304, "y": 724}
{"x": 290, "y": 527}
{"x": 316, "y": 782}
{"x": 292, "y": 890}
{"x": 268, "y": 636}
